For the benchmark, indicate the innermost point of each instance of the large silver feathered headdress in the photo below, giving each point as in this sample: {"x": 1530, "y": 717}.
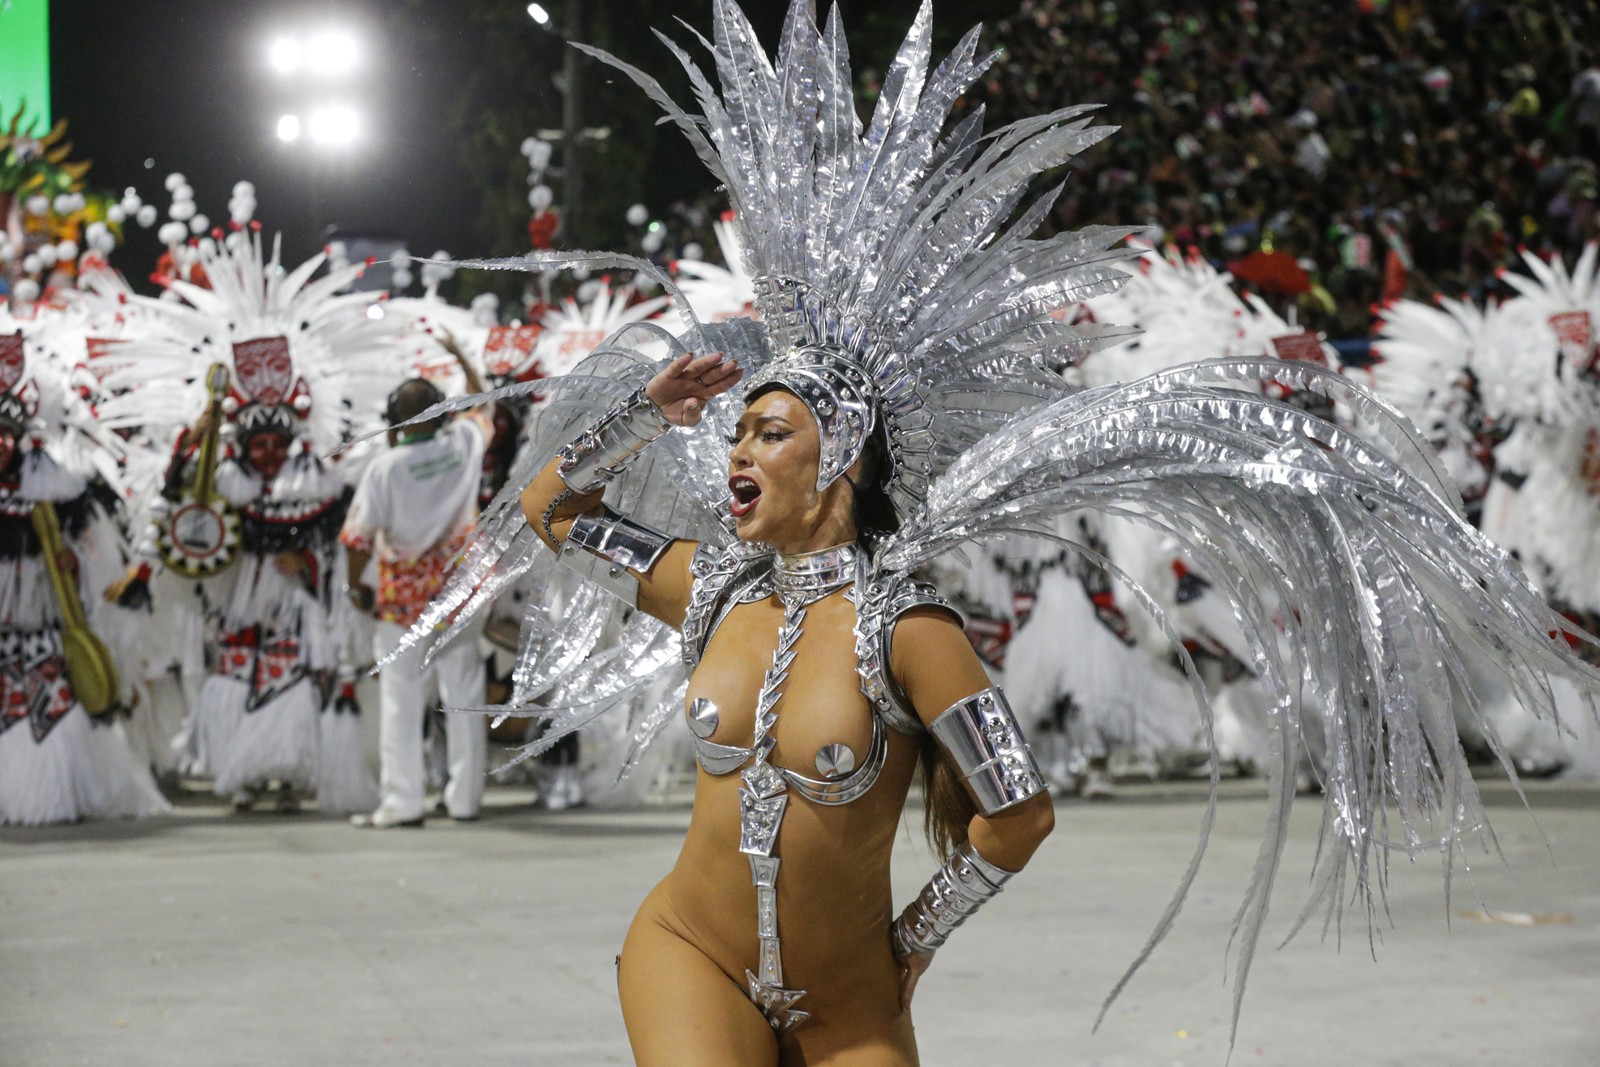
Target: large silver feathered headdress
{"x": 898, "y": 287}
{"x": 894, "y": 275}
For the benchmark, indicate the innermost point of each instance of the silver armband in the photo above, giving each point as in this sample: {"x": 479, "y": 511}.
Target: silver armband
{"x": 600, "y": 453}
{"x": 982, "y": 736}
{"x": 964, "y": 884}
{"x": 603, "y": 549}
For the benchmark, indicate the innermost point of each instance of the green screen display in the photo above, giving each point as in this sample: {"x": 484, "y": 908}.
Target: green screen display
{"x": 25, "y": 61}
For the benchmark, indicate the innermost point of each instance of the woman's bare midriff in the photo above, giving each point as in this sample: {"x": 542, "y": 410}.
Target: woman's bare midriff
{"x": 834, "y": 899}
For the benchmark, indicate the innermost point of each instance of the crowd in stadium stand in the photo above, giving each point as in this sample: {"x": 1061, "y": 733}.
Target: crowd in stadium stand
{"x": 1403, "y": 148}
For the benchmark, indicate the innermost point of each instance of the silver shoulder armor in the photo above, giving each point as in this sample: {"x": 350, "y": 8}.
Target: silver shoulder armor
{"x": 982, "y": 736}
{"x": 881, "y": 600}
{"x": 605, "y": 548}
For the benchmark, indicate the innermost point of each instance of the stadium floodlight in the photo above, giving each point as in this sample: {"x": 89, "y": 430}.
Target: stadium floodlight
{"x": 289, "y": 128}
{"x": 325, "y": 54}
{"x": 284, "y": 55}
{"x": 332, "y": 54}
{"x": 539, "y": 14}
{"x": 334, "y": 125}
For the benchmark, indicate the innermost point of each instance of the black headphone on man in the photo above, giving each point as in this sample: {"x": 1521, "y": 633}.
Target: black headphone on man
{"x": 434, "y": 394}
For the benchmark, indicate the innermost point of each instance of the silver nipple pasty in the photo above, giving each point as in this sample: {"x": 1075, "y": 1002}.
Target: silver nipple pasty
{"x": 835, "y": 761}
{"x": 703, "y": 718}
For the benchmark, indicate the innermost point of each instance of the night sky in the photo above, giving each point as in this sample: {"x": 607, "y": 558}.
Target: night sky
{"x": 185, "y": 85}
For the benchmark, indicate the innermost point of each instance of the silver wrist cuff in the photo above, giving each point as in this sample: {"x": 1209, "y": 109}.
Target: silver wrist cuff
{"x": 604, "y": 549}
{"x": 964, "y": 884}
{"x": 600, "y": 453}
{"x": 983, "y": 738}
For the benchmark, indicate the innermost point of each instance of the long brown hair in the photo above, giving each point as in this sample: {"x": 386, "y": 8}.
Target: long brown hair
{"x": 947, "y": 806}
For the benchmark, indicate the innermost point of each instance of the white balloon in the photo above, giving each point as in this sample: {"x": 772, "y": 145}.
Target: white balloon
{"x": 638, "y": 215}
{"x": 67, "y": 251}
{"x": 208, "y": 246}
{"x": 529, "y": 146}
{"x": 46, "y": 255}
{"x": 401, "y": 260}
{"x": 588, "y": 291}
{"x": 93, "y": 229}
{"x": 651, "y": 242}
{"x": 402, "y": 279}
{"x": 244, "y": 189}
{"x": 580, "y": 273}
{"x": 241, "y": 213}
{"x": 63, "y": 204}
{"x": 6, "y": 252}
{"x": 199, "y": 224}
{"x": 104, "y": 243}
{"x": 539, "y": 157}
{"x": 181, "y": 210}
{"x": 183, "y": 192}
{"x": 440, "y": 256}
{"x": 26, "y": 291}
{"x": 31, "y": 265}
{"x": 38, "y": 205}
{"x": 174, "y": 180}
{"x": 540, "y": 197}
{"x": 173, "y": 233}
{"x": 132, "y": 204}
{"x": 692, "y": 250}
{"x": 146, "y": 215}
{"x": 116, "y": 213}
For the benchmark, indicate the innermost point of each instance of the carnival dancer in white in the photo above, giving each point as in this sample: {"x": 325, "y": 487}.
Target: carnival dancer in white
{"x": 413, "y": 511}
{"x": 63, "y": 753}
{"x": 287, "y": 366}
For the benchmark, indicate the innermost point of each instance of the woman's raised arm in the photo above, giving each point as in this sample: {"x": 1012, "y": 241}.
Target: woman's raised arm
{"x": 564, "y": 502}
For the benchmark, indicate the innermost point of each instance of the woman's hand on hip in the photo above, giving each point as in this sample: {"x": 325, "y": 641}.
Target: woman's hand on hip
{"x": 911, "y": 969}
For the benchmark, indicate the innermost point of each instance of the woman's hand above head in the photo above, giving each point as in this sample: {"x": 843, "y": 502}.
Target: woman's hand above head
{"x": 683, "y": 387}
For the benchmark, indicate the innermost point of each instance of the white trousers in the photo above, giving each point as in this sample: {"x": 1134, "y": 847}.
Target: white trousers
{"x": 402, "y": 687}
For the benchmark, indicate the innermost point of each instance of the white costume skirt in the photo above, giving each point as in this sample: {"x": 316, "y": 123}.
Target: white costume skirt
{"x": 81, "y": 769}
{"x": 241, "y": 748}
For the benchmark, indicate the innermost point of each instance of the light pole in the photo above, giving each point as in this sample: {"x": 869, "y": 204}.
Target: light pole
{"x": 570, "y": 117}
{"x": 572, "y": 133}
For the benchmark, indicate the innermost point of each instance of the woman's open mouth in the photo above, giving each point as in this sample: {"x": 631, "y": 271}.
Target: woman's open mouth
{"x": 745, "y": 495}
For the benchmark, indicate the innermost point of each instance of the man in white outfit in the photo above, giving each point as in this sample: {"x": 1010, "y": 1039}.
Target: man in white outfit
{"x": 413, "y": 510}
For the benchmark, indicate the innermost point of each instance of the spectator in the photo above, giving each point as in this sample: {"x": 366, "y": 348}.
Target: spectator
{"x": 1440, "y": 136}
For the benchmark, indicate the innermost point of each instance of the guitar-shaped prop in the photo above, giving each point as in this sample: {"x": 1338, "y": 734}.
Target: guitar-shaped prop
{"x": 199, "y": 535}
{"x": 89, "y": 667}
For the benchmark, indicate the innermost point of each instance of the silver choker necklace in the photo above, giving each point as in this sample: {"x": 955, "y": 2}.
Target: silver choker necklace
{"x": 807, "y": 577}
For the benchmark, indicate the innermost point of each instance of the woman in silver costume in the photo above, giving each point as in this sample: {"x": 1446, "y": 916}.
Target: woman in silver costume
{"x": 787, "y": 739}
{"x": 900, "y": 398}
